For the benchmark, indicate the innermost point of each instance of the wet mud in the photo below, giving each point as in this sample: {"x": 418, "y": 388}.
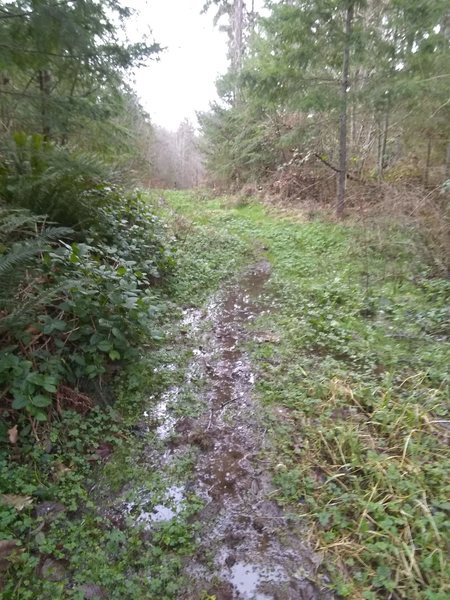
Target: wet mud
{"x": 248, "y": 548}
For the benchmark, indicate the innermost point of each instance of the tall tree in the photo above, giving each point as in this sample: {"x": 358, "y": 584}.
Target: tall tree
{"x": 340, "y": 205}
{"x": 362, "y": 84}
{"x": 239, "y": 23}
{"x": 64, "y": 62}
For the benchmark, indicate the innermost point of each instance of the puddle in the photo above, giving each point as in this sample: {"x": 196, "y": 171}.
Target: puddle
{"x": 161, "y": 414}
{"x": 168, "y": 509}
{"x": 171, "y": 367}
{"x": 191, "y": 321}
{"x": 248, "y": 548}
{"x": 248, "y": 578}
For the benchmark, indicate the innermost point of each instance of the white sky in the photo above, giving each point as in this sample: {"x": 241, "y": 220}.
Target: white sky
{"x": 183, "y": 81}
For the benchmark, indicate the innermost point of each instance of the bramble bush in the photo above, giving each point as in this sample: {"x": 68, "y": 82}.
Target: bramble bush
{"x": 73, "y": 299}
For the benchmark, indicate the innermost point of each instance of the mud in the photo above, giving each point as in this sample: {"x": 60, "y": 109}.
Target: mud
{"x": 248, "y": 547}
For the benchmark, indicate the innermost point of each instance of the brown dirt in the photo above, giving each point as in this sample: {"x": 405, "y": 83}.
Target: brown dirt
{"x": 248, "y": 547}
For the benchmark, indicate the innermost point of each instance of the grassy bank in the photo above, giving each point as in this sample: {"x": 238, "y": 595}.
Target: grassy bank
{"x": 355, "y": 385}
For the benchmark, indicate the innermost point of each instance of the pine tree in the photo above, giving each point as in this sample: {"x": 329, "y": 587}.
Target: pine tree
{"x": 62, "y": 64}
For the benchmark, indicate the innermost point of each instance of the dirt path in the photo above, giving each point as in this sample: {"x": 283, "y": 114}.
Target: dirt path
{"x": 248, "y": 548}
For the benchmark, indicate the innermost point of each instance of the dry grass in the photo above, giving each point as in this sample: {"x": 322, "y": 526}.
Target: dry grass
{"x": 425, "y": 215}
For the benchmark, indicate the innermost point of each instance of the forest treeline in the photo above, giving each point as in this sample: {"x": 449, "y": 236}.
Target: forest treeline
{"x": 356, "y": 88}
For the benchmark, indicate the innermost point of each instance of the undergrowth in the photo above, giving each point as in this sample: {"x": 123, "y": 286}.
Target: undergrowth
{"x": 89, "y": 322}
{"x": 357, "y": 364}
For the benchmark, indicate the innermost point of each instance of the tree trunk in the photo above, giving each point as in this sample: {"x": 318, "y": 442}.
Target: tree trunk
{"x": 44, "y": 88}
{"x": 426, "y": 174}
{"x": 385, "y": 136}
{"x": 379, "y": 150}
{"x": 447, "y": 162}
{"x": 342, "y": 179}
{"x": 4, "y": 117}
{"x": 238, "y": 44}
{"x": 384, "y": 130}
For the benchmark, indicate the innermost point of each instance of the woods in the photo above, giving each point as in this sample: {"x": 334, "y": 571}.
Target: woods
{"x": 69, "y": 230}
{"x": 82, "y": 255}
{"x": 224, "y": 345}
{"x": 311, "y": 67}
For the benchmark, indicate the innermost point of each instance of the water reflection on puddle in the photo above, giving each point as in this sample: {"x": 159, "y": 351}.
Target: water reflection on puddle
{"x": 169, "y": 508}
{"x": 161, "y": 413}
{"x": 247, "y": 578}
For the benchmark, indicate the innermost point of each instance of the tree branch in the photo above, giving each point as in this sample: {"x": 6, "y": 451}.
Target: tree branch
{"x": 335, "y": 169}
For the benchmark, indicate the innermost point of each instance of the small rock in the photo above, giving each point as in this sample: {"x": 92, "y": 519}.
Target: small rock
{"x": 49, "y": 510}
{"x": 230, "y": 560}
{"x": 53, "y": 570}
{"x": 259, "y": 524}
{"x": 91, "y": 591}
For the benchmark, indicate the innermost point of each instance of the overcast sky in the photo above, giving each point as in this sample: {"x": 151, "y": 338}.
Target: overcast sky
{"x": 183, "y": 81}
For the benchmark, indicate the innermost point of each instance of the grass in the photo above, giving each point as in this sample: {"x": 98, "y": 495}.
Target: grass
{"x": 361, "y": 373}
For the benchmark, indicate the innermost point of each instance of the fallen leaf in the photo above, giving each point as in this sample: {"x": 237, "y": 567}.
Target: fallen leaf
{"x": 103, "y": 451}
{"x": 61, "y": 470}
{"x": 13, "y": 434}
{"x": 91, "y": 591}
{"x": 53, "y": 570}
{"x": 33, "y": 330}
{"x": 17, "y": 502}
{"x": 8, "y": 549}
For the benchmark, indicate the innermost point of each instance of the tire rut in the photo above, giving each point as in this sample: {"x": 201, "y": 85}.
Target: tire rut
{"x": 248, "y": 547}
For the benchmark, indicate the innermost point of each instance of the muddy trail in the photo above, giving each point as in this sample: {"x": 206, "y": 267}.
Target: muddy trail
{"x": 248, "y": 548}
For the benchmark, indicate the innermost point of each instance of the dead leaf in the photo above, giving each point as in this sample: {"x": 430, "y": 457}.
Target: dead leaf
{"x": 91, "y": 591}
{"x": 268, "y": 337}
{"x": 8, "y": 549}
{"x": 33, "y": 330}
{"x": 13, "y": 434}
{"x": 102, "y": 452}
{"x": 17, "y": 502}
{"x": 60, "y": 470}
{"x": 53, "y": 570}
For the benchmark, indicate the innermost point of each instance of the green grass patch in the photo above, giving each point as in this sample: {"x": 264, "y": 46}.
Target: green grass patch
{"x": 354, "y": 383}
{"x": 356, "y": 394}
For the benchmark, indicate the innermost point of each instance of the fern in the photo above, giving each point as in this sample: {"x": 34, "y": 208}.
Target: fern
{"x": 23, "y": 237}
{"x": 67, "y": 187}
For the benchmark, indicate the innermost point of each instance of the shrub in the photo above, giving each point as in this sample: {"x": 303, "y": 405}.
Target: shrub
{"x": 71, "y": 307}
{"x": 50, "y": 180}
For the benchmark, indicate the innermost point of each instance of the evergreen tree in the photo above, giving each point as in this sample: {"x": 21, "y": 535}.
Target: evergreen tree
{"x": 357, "y": 83}
{"x": 63, "y": 64}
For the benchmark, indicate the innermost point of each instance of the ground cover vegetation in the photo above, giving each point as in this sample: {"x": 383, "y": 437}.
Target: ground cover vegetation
{"x": 354, "y": 380}
{"x": 83, "y": 259}
{"x": 316, "y": 112}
